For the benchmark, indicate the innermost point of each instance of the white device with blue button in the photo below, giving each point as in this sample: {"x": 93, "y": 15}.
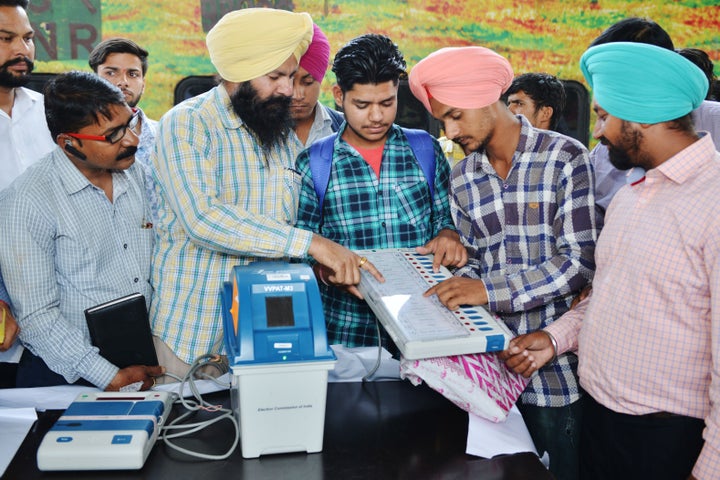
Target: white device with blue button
{"x": 105, "y": 431}
{"x": 277, "y": 347}
{"x": 422, "y": 327}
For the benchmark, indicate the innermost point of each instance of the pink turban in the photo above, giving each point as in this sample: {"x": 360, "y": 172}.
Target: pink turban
{"x": 461, "y": 77}
{"x": 317, "y": 57}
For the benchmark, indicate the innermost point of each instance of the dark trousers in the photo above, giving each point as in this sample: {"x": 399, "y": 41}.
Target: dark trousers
{"x": 32, "y": 371}
{"x": 556, "y": 430}
{"x": 8, "y": 373}
{"x": 616, "y": 446}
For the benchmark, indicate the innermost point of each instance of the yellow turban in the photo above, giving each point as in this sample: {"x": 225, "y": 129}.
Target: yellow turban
{"x": 249, "y": 43}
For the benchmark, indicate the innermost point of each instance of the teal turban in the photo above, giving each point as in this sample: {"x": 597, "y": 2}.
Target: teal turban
{"x": 643, "y": 83}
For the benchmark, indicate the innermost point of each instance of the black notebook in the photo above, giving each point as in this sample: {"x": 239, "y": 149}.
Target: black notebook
{"x": 120, "y": 328}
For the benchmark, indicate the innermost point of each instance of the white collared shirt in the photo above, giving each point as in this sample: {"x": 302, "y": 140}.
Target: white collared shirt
{"x": 24, "y": 137}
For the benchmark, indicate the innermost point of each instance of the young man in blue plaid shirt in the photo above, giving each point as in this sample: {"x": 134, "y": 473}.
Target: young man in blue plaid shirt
{"x": 377, "y": 195}
{"x": 523, "y": 202}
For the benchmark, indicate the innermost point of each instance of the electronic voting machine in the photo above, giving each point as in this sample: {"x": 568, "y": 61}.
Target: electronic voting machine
{"x": 272, "y": 313}
{"x": 105, "y": 431}
{"x": 278, "y": 351}
{"x": 422, "y": 327}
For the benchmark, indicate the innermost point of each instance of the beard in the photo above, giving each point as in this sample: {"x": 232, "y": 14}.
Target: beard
{"x": 269, "y": 119}
{"x": 9, "y": 79}
{"x": 626, "y": 153}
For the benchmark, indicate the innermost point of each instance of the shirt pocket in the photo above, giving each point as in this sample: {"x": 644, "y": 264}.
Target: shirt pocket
{"x": 412, "y": 202}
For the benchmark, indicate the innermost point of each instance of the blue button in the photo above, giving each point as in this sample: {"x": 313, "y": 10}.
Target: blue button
{"x": 64, "y": 439}
{"x": 121, "y": 439}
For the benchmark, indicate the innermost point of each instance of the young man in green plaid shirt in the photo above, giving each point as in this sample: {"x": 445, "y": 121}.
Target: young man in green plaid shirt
{"x": 377, "y": 195}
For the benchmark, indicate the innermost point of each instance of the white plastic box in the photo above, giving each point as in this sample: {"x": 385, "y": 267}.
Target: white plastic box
{"x": 280, "y": 407}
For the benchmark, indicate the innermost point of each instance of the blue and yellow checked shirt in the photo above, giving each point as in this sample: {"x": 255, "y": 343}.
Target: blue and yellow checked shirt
{"x": 64, "y": 247}
{"x": 362, "y": 212}
{"x": 223, "y": 201}
{"x": 531, "y": 239}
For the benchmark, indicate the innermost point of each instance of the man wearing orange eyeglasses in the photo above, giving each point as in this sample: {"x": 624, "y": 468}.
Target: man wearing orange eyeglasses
{"x": 74, "y": 233}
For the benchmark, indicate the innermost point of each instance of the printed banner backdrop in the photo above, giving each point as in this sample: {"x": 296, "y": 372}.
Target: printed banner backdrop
{"x": 540, "y": 35}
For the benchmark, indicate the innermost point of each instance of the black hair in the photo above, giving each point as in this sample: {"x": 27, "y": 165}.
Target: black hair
{"x": 638, "y": 30}
{"x": 117, "y": 45}
{"x": 74, "y": 100}
{"x": 683, "y": 124}
{"x": 545, "y": 90}
{"x": 702, "y": 60}
{"x": 15, "y": 3}
{"x": 368, "y": 59}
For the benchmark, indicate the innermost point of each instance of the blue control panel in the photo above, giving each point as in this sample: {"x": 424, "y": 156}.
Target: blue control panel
{"x": 272, "y": 313}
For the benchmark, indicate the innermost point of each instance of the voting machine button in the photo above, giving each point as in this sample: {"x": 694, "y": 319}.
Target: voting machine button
{"x": 121, "y": 439}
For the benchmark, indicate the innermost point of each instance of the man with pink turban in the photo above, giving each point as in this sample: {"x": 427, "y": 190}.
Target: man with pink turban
{"x": 227, "y": 189}
{"x": 523, "y": 203}
{"x": 313, "y": 120}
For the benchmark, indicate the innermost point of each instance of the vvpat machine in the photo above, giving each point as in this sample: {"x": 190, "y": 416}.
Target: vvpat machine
{"x": 277, "y": 347}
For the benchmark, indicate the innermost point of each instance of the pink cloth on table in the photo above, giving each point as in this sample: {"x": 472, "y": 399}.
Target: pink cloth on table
{"x": 478, "y": 383}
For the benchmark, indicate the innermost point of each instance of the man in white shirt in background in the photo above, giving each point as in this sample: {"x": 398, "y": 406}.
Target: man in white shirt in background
{"x": 24, "y": 138}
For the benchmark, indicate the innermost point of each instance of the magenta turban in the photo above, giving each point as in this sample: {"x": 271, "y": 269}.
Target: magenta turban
{"x": 461, "y": 77}
{"x": 316, "y": 58}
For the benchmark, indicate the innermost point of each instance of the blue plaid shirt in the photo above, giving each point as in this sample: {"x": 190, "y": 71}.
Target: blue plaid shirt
{"x": 362, "y": 212}
{"x": 531, "y": 239}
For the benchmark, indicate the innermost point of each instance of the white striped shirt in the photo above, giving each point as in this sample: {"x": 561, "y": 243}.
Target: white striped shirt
{"x": 64, "y": 247}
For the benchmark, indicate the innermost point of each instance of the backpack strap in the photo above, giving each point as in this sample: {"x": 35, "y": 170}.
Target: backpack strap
{"x": 336, "y": 118}
{"x": 422, "y": 146}
{"x": 321, "y": 153}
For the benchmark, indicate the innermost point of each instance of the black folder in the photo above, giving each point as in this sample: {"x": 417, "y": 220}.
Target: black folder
{"x": 120, "y": 328}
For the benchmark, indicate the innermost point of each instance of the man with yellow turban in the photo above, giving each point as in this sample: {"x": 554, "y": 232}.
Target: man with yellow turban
{"x": 523, "y": 203}
{"x": 647, "y": 336}
{"x": 226, "y": 185}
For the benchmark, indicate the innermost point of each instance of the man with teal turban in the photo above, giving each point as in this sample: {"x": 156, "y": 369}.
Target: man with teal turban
{"x": 648, "y": 336}
{"x": 225, "y": 182}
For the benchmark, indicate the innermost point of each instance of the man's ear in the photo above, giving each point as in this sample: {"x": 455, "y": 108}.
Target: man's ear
{"x": 62, "y": 139}
{"x": 337, "y": 94}
{"x": 544, "y": 114}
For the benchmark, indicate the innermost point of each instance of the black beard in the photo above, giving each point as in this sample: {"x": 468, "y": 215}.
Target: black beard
{"x": 619, "y": 158}
{"x": 9, "y": 80}
{"x": 269, "y": 119}
{"x": 628, "y": 143}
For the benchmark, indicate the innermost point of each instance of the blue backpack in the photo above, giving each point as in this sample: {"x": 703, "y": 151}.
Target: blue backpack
{"x": 321, "y": 160}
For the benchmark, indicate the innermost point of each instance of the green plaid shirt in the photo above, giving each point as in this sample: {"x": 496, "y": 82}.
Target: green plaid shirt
{"x": 362, "y": 212}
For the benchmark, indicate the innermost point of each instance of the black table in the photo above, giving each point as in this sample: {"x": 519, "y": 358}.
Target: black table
{"x": 379, "y": 430}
